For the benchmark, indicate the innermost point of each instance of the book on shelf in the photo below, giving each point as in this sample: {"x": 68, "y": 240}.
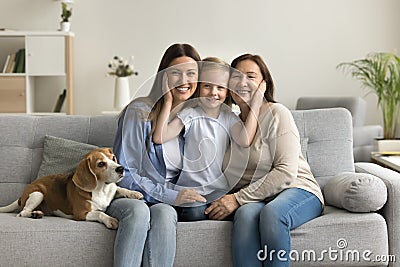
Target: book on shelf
{"x": 6, "y": 64}
{"x": 17, "y": 56}
{"x": 60, "y": 101}
{"x": 11, "y": 63}
{"x": 15, "y": 62}
{"x": 20, "y": 63}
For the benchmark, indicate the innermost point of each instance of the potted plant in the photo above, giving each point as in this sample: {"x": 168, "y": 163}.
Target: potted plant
{"x": 380, "y": 73}
{"x": 65, "y": 15}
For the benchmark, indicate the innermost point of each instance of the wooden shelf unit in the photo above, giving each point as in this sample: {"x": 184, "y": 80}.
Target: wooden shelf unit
{"x": 49, "y": 69}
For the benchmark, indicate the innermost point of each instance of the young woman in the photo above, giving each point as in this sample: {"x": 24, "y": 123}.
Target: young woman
{"x": 277, "y": 191}
{"x": 151, "y": 225}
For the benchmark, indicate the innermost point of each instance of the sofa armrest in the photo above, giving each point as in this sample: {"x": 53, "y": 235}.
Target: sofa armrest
{"x": 364, "y": 135}
{"x": 363, "y": 141}
{"x": 391, "y": 210}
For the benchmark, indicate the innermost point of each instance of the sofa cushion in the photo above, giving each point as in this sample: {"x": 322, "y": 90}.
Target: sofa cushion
{"x": 304, "y": 144}
{"x": 54, "y": 241}
{"x": 356, "y": 192}
{"x": 340, "y": 238}
{"x": 62, "y": 155}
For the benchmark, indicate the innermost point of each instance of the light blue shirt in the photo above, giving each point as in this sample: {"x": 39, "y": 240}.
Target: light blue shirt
{"x": 142, "y": 159}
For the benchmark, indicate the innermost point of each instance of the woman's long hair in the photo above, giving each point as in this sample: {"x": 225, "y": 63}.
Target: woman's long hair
{"x": 155, "y": 97}
{"x": 269, "y": 93}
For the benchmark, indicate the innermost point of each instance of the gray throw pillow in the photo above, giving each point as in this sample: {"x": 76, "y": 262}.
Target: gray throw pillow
{"x": 356, "y": 192}
{"x": 62, "y": 155}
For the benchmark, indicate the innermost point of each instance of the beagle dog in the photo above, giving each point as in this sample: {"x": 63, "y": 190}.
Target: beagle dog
{"x": 83, "y": 195}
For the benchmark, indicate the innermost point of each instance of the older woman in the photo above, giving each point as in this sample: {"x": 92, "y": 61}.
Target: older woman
{"x": 151, "y": 224}
{"x": 277, "y": 191}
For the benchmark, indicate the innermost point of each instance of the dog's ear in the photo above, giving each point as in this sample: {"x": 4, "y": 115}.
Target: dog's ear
{"x": 110, "y": 153}
{"x": 84, "y": 177}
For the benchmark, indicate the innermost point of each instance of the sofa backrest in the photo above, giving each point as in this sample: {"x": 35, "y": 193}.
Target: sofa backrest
{"x": 330, "y": 140}
{"x": 356, "y": 105}
{"x": 329, "y": 147}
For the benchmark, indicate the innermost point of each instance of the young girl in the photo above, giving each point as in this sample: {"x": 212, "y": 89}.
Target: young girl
{"x": 208, "y": 127}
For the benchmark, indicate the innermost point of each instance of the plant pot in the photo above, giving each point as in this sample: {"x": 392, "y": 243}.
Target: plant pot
{"x": 387, "y": 145}
{"x": 391, "y": 112}
{"x": 122, "y": 94}
{"x": 65, "y": 26}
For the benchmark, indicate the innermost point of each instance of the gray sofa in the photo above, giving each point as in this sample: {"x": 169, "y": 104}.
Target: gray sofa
{"x": 54, "y": 241}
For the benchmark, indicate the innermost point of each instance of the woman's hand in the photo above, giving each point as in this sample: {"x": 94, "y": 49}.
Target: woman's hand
{"x": 188, "y": 195}
{"x": 168, "y": 98}
{"x": 223, "y": 207}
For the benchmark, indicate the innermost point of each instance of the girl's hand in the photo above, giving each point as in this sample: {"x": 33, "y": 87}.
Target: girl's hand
{"x": 258, "y": 95}
{"x": 262, "y": 87}
{"x": 223, "y": 207}
{"x": 188, "y": 195}
{"x": 166, "y": 90}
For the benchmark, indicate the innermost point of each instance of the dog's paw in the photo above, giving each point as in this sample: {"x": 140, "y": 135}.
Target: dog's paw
{"x": 111, "y": 223}
{"x": 135, "y": 195}
{"x": 37, "y": 214}
{"x": 24, "y": 213}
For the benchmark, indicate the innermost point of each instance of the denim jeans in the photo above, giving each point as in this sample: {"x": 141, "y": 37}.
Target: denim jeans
{"x": 143, "y": 231}
{"x": 160, "y": 245}
{"x": 134, "y": 217}
{"x": 262, "y": 229}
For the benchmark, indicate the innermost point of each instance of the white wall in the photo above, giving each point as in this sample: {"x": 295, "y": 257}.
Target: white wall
{"x": 302, "y": 41}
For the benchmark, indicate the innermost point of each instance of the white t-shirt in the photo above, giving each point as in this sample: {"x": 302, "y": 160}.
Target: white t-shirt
{"x": 206, "y": 140}
{"x": 172, "y": 158}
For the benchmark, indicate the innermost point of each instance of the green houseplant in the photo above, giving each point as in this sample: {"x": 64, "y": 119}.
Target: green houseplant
{"x": 380, "y": 73}
{"x": 65, "y": 12}
{"x": 65, "y": 15}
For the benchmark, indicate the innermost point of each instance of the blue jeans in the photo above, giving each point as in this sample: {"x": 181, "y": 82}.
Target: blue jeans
{"x": 148, "y": 232}
{"x": 160, "y": 245}
{"x": 262, "y": 229}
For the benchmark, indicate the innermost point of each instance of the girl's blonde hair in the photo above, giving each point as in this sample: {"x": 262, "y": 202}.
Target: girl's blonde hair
{"x": 214, "y": 63}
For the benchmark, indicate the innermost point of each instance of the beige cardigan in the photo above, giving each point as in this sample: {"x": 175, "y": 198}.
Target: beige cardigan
{"x": 272, "y": 163}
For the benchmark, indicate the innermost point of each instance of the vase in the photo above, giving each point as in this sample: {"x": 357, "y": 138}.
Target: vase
{"x": 65, "y": 26}
{"x": 122, "y": 95}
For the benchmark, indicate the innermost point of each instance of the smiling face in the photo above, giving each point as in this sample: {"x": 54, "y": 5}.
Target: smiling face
{"x": 213, "y": 88}
{"x": 244, "y": 81}
{"x": 182, "y": 78}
